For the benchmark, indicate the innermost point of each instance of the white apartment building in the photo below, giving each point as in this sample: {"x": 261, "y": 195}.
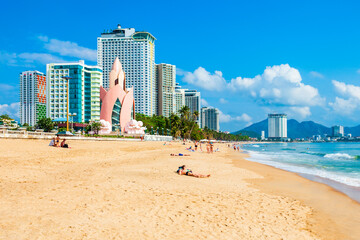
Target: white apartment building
{"x": 193, "y": 101}
{"x": 179, "y": 97}
{"x": 84, "y": 91}
{"x": 210, "y": 118}
{"x": 277, "y": 126}
{"x": 32, "y": 97}
{"x": 136, "y": 52}
{"x": 166, "y": 80}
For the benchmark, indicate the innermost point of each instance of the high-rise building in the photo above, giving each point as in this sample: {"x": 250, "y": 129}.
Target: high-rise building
{"x": 32, "y": 97}
{"x": 193, "y": 101}
{"x": 136, "y": 52}
{"x": 337, "y": 131}
{"x": 166, "y": 80}
{"x": 262, "y": 135}
{"x": 277, "y": 126}
{"x": 179, "y": 101}
{"x": 84, "y": 91}
{"x": 210, "y": 118}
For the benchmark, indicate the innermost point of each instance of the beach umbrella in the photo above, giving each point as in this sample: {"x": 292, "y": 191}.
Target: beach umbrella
{"x": 204, "y": 140}
{"x": 65, "y": 133}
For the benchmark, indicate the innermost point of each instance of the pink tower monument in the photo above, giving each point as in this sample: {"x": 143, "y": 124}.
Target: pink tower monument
{"x": 117, "y": 104}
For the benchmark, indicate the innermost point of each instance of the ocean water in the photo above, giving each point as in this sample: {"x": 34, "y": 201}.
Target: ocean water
{"x": 335, "y": 164}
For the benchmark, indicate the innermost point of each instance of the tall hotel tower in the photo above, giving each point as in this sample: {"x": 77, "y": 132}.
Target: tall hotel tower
{"x": 32, "y": 97}
{"x": 166, "y": 80}
{"x": 277, "y": 126}
{"x": 136, "y": 52}
{"x": 84, "y": 91}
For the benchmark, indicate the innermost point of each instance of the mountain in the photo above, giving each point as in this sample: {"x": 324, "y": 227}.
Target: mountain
{"x": 298, "y": 129}
{"x": 355, "y": 131}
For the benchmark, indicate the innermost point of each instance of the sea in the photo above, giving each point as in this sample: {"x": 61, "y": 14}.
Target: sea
{"x": 336, "y": 164}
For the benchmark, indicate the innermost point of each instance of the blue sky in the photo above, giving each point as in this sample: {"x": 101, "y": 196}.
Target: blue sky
{"x": 248, "y": 58}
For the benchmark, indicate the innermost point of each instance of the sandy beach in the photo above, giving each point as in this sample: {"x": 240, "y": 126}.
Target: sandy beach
{"x": 129, "y": 190}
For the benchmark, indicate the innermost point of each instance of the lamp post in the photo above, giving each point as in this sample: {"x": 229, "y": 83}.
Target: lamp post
{"x": 67, "y": 105}
{"x": 72, "y": 120}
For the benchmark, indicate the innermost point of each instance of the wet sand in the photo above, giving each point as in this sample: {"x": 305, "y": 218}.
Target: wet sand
{"x": 129, "y": 190}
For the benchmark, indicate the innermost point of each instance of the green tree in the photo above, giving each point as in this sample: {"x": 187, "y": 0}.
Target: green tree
{"x": 5, "y": 116}
{"x": 46, "y": 124}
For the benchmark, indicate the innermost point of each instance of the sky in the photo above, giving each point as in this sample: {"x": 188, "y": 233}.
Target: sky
{"x": 247, "y": 58}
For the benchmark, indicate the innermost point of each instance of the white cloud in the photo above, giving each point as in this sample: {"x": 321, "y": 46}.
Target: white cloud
{"x": 279, "y": 85}
{"x": 67, "y": 48}
{"x": 228, "y": 118}
{"x": 206, "y": 80}
{"x": 316, "y": 74}
{"x": 348, "y": 90}
{"x": 28, "y": 59}
{"x": 351, "y": 100}
{"x": 43, "y": 58}
{"x": 12, "y": 110}
{"x": 301, "y": 112}
{"x": 204, "y": 103}
{"x": 223, "y": 101}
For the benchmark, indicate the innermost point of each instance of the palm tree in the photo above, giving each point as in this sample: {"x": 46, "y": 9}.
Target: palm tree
{"x": 184, "y": 112}
{"x": 195, "y": 116}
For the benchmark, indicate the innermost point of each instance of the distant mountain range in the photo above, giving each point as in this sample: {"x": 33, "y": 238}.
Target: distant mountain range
{"x": 296, "y": 129}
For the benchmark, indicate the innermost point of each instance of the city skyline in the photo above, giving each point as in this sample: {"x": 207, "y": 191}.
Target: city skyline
{"x": 307, "y": 69}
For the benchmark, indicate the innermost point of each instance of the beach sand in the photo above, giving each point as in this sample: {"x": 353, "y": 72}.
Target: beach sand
{"x": 129, "y": 190}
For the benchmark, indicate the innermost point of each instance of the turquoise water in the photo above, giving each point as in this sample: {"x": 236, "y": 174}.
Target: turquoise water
{"x": 337, "y": 162}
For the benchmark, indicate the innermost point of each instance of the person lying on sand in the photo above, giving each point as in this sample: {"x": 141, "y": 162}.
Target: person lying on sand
{"x": 183, "y": 171}
{"x": 180, "y": 154}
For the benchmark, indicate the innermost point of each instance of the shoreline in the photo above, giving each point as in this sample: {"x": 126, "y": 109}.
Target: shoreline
{"x": 129, "y": 190}
{"x": 335, "y": 207}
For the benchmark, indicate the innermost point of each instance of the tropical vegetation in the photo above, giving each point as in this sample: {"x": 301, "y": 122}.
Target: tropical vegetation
{"x": 184, "y": 126}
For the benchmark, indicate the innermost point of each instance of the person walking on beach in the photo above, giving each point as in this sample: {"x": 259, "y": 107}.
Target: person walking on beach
{"x": 196, "y": 145}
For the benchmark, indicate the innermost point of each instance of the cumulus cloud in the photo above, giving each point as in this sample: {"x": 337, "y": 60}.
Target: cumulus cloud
{"x": 11, "y": 109}
{"x": 204, "y": 79}
{"x": 228, "y": 118}
{"x": 316, "y": 74}
{"x": 279, "y": 85}
{"x": 68, "y": 48}
{"x": 301, "y": 112}
{"x": 350, "y": 100}
{"x": 28, "y": 59}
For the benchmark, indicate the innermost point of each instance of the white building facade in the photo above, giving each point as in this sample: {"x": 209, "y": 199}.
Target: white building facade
{"x": 32, "y": 97}
{"x": 277, "y": 126}
{"x": 166, "y": 81}
{"x": 84, "y": 91}
{"x": 210, "y": 118}
{"x": 136, "y": 52}
{"x": 193, "y": 101}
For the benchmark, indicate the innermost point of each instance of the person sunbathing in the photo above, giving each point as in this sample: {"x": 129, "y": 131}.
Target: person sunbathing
{"x": 183, "y": 171}
{"x": 180, "y": 154}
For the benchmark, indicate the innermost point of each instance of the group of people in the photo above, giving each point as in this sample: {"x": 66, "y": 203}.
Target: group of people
{"x": 55, "y": 142}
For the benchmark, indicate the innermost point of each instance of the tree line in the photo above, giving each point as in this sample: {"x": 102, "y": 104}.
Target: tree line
{"x": 184, "y": 125}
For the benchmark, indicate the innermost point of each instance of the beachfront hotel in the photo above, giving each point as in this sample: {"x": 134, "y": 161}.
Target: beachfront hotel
{"x": 179, "y": 98}
{"x": 84, "y": 91}
{"x": 136, "y": 52}
{"x": 210, "y": 118}
{"x": 166, "y": 82}
{"x": 32, "y": 97}
{"x": 193, "y": 101}
{"x": 337, "y": 131}
{"x": 277, "y": 126}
